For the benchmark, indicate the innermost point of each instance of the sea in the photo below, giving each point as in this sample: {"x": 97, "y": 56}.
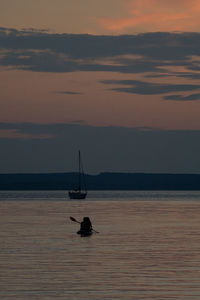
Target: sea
{"x": 147, "y": 246}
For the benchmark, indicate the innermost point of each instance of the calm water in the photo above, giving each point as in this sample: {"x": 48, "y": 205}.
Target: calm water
{"x": 148, "y": 246}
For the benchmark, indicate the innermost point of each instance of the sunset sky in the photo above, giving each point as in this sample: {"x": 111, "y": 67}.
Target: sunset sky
{"x": 117, "y": 79}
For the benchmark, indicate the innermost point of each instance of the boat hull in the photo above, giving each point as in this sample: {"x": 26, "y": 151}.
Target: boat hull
{"x": 84, "y": 233}
{"x": 77, "y": 195}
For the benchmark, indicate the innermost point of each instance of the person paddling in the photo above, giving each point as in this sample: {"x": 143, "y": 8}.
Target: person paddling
{"x": 85, "y": 226}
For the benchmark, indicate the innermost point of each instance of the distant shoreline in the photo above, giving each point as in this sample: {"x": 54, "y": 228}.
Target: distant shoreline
{"x": 101, "y": 181}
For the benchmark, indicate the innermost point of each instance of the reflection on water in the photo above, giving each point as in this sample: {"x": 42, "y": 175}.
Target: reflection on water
{"x": 148, "y": 246}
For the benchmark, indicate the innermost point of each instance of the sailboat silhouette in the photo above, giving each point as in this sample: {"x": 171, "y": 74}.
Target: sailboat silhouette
{"x": 80, "y": 191}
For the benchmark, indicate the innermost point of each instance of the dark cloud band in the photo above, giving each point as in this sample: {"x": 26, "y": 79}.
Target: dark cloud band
{"x": 151, "y": 54}
{"x": 104, "y": 149}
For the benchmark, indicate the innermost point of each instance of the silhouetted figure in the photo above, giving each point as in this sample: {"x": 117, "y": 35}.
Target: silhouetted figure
{"x": 86, "y": 226}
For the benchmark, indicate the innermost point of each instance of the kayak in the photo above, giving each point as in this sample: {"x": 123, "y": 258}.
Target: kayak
{"x": 84, "y": 233}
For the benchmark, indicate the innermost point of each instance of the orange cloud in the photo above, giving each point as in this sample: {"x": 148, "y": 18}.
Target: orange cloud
{"x": 156, "y": 15}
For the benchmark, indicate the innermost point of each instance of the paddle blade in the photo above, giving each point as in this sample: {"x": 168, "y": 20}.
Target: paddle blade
{"x": 73, "y": 219}
{"x": 95, "y": 231}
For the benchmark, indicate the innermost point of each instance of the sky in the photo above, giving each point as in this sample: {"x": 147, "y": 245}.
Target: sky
{"x": 117, "y": 79}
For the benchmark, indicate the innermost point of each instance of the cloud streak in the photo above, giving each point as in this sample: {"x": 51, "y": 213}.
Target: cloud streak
{"x": 67, "y": 93}
{"x": 192, "y": 97}
{"x": 147, "y": 88}
{"x": 17, "y": 134}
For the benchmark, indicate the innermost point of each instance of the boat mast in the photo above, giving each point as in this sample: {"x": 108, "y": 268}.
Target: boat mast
{"x": 79, "y": 168}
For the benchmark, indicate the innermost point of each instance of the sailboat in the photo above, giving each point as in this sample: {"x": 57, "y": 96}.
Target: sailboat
{"x": 80, "y": 192}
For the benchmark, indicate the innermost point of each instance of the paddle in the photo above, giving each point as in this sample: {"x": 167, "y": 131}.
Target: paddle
{"x": 74, "y": 220}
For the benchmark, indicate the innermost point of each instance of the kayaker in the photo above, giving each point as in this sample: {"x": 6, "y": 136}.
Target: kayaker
{"x": 86, "y": 226}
